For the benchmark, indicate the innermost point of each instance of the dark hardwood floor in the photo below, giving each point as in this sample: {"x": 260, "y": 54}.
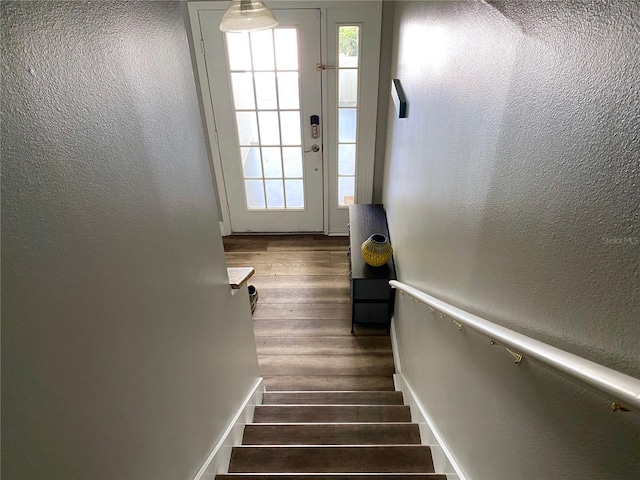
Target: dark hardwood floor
{"x": 302, "y": 320}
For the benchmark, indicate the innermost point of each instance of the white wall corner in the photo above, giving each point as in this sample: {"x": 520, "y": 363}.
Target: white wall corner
{"x": 223, "y": 230}
{"x": 218, "y": 460}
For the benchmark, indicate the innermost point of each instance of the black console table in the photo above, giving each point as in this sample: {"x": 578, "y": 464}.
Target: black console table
{"x": 371, "y": 296}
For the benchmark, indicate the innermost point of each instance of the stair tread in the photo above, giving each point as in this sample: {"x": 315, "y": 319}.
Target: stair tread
{"x": 331, "y": 459}
{"x": 323, "y": 345}
{"x": 331, "y": 413}
{"x": 332, "y": 434}
{"x": 333, "y": 365}
{"x": 333, "y": 397}
{"x": 329, "y": 382}
{"x": 331, "y": 476}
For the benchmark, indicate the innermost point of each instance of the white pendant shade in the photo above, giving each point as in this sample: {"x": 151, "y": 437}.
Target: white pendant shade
{"x": 247, "y": 15}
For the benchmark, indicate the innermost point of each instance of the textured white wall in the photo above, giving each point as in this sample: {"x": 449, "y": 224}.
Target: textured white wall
{"x": 124, "y": 356}
{"x": 512, "y": 191}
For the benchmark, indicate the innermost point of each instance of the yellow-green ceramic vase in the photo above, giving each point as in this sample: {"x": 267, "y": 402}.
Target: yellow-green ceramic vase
{"x": 376, "y": 250}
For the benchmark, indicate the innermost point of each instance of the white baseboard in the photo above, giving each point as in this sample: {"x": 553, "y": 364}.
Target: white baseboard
{"x": 394, "y": 348}
{"x": 218, "y": 459}
{"x": 443, "y": 459}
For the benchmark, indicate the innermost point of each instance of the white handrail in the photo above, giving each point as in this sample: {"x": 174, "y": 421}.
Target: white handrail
{"x": 620, "y": 387}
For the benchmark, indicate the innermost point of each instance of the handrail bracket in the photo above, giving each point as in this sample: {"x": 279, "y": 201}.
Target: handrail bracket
{"x": 515, "y": 355}
{"x": 616, "y": 407}
{"x": 518, "y": 357}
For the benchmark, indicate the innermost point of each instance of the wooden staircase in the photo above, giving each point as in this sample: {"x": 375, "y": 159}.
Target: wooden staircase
{"x": 330, "y": 411}
{"x": 331, "y": 435}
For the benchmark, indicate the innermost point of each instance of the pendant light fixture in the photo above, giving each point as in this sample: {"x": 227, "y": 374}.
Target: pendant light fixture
{"x": 247, "y": 16}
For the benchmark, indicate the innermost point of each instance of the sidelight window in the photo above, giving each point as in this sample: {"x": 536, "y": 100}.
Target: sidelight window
{"x": 348, "y": 77}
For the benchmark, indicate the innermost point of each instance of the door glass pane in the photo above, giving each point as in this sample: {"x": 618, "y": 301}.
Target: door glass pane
{"x": 286, "y": 48}
{"x": 269, "y": 128}
{"x": 290, "y": 128}
{"x": 347, "y": 159}
{"x": 346, "y": 125}
{"x": 348, "y": 45}
{"x": 242, "y": 87}
{"x": 275, "y": 194}
{"x": 295, "y": 193}
{"x": 239, "y": 53}
{"x": 346, "y": 190}
{"x": 288, "y": 90}
{"x": 251, "y": 165}
{"x": 348, "y": 87}
{"x": 262, "y": 50}
{"x": 272, "y": 163}
{"x": 254, "y": 190}
{"x": 266, "y": 101}
{"x": 292, "y": 157}
{"x": 266, "y": 90}
{"x": 247, "y": 128}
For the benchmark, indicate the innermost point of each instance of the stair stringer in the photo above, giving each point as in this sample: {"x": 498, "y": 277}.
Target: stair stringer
{"x": 443, "y": 460}
{"x": 218, "y": 459}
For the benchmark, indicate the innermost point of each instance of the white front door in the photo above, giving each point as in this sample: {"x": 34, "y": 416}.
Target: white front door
{"x": 274, "y": 171}
{"x": 264, "y": 96}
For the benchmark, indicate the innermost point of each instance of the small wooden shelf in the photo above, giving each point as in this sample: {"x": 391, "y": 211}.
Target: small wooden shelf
{"x": 238, "y": 276}
{"x": 372, "y": 298}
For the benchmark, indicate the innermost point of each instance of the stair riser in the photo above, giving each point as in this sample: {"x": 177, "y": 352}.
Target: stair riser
{"x": 332, "y": 434}
{"x": 331, "y": 413}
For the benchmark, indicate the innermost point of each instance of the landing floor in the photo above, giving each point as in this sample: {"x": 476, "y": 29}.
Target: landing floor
{"x": 302, "y": 321}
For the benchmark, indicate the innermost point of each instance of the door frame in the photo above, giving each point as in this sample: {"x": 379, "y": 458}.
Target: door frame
{"x": 366, "y": 122}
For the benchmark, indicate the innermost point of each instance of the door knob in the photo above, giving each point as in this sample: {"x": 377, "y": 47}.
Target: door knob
{"x": 314, "y": 148}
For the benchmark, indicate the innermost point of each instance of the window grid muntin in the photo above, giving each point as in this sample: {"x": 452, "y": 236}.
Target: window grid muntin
{"x": 284, "y": 190}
